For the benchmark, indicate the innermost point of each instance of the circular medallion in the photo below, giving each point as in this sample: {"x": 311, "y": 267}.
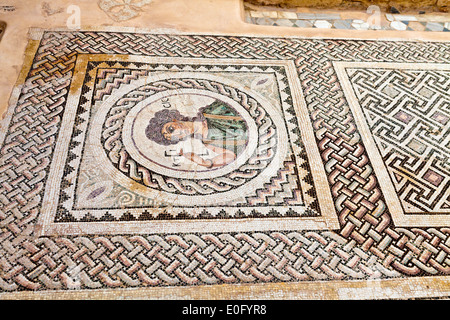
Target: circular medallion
{"x": 189, "y": 136}
{"x": 190, "y": 133}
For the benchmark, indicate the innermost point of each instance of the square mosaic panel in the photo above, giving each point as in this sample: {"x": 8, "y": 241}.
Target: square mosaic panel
{"x": 406, "y": 109}
{"x": 154, "y": 160}
{"x": 251, "y": 162}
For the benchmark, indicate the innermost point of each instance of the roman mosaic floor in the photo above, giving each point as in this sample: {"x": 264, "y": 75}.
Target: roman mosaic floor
{"x": 224, "y": 166}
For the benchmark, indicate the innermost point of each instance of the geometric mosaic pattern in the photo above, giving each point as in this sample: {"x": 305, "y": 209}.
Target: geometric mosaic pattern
{"x": 408, "y": 112}
{"x": 365, "y": 243}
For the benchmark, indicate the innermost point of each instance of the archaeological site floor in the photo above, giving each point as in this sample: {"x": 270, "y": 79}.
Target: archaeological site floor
{"x": 149, "y": 154}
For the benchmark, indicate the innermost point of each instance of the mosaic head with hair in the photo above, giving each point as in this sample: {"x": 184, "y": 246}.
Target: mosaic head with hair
{"x": 160, "y": 128}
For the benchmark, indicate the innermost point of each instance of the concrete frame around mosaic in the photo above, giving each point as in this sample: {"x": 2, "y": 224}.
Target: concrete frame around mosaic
{"x": 367, "y": 246}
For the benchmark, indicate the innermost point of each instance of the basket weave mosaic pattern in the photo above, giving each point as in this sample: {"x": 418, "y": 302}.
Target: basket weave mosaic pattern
{"x": 343, "y": 173}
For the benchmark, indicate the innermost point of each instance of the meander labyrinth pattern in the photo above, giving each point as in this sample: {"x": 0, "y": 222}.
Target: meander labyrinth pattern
{"x": 342, "y": 230}
{"x": 408, "y": 113}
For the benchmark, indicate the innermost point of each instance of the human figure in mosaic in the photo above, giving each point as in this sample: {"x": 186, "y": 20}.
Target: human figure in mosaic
{"x": 220, "y": 128}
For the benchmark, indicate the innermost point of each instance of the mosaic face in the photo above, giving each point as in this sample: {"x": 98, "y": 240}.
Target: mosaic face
{"x": 188, "y": 133}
